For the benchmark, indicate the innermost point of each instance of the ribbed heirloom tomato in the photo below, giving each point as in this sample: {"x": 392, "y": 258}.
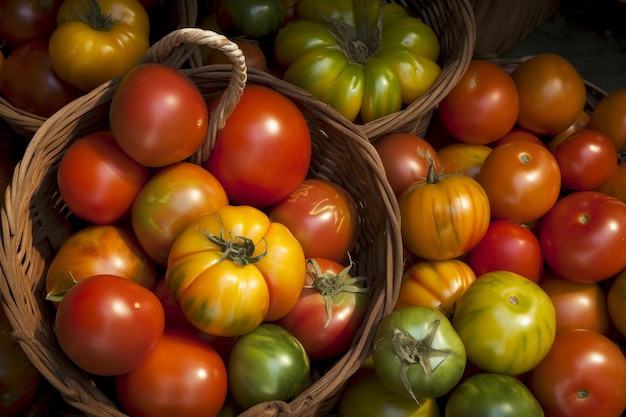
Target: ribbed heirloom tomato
{"x": 233, "y": 268}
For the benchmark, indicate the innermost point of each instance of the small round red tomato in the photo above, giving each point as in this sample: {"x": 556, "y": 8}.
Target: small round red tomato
{"x": 583, "y": 237}
{"x": 330, "y": 310}
{"x": 463, "y": 158}
{"x": 436, "y": 284}
{"x": 172, "y": 197}
{"x": 323, "y": 217}
{"x": 508, "y": 246}
{"x": 98, "y": 250}
{"x": 551, "y": 94}
{"x": 25, "y": 21}
{"x": 609, "y": 117}
{"x": 108, "y": 325}
{"x": 483, "y": 106}
{"x": 616, "y": 302}
{"x": 97, "y": 180}
{"x": 584, "y": 374}
{"x": 158, "y": 116}
{"x": 406, "y": 158}
{"x": 263, "y": 152}
{"x": 578, "y": 305}
{"x": 587, "y": 160}
{"x": 522, "y": 180}
{"x": 183, "y": 376}
{"x": 28, "y": 82}
{"x": 443, "y": 216}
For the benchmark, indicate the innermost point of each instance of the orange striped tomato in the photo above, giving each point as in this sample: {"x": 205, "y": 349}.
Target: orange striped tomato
{"x": 443, "y": 216}
{"x": 436, "y": 284}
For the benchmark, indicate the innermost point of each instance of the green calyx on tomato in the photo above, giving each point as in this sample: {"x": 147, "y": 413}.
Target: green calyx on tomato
{"x": 331, "y": 286}
{"x": 364, "y": 59}
{"x": 238, "y": 249}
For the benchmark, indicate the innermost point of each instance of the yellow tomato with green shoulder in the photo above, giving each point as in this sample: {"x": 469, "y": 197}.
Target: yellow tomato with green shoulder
{"x": 98, "y": 40}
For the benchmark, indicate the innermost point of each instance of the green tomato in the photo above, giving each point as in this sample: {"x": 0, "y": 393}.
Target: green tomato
{"x": 267, "y": 364}
{"x": 380, "y": 400}
{"x": 506, "y": 321}
{"x": 417, "y": 353}
{"x": 492, "y": 395}
{"x": 250, "y": 18}
{"x": 363, "y": 58}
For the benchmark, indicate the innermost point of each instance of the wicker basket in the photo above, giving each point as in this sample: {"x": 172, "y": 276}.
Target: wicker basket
{"x": 33, "y": 228}
{"x": 453, "y": 23}
{"x": 165, "y": 16}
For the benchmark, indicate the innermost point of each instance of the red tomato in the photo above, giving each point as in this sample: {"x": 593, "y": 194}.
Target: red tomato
{"x": 587, "y": 160}
{"x": 183, "y": 376}
{"x": 263, "y": 152}
{"x": 578, "y": 305}
{"x": 518, "y": 134}
{"x": 28, "y": 82}
{"x": 330, "y": 310}
{"x": 521, "y": 179}
{"x": 108, "y": 325}
{"x": 463, "y": 158}
{"x": 98, "y": 250}
{"x": 609, "y": 117}
{"x": 405, "y": 158}
{"x": 551, "y": 94}
{"x": 580, "y": 123}
{"x": 510, "y": 247}
{"x": 172, "y": 197}
{"x": 25, "y": 21}
{"x": 254, "y": 55}
{"x": 98, "y": 180}
{"x": 483, "y": 106}
{"x": 323, "y": 217}
{"x": 158, "y": 115}
{"x": 583, "y": 237}
{"x": 584, "y": 374}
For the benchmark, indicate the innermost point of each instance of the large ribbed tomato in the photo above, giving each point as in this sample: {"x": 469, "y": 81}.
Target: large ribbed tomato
{"x": 443, "y": 216}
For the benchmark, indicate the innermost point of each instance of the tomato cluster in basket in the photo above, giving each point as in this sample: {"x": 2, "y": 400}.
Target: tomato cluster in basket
{"x": 513, "y": 220}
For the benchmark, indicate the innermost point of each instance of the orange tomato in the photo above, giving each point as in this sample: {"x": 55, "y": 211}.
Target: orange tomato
{"x": 609, "y": 117}
{"x": 463, "y": 158}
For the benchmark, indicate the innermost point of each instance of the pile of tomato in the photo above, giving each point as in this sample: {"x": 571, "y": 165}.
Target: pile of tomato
{"x": 514, "y": 225}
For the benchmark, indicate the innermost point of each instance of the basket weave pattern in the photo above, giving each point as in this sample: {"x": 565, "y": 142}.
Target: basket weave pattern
{"x": 34, "y": 222}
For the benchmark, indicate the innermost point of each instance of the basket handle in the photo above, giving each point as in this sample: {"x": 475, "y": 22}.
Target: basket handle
{"x": 161, "y": 50}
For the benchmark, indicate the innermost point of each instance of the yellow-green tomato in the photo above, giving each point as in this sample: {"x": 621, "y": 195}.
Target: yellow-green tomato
{"x": 507, "y": 323}
{"x": 381, "y": 401}
{"x": 363, "y": 58}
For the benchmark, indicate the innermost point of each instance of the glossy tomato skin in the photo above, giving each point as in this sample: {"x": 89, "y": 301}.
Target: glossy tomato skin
{"x": 491, "y": 395}
{"x": 268, "y": 363}
{"x": 518, "y": 134}
{"x": 263, "y": 152}
{"x": 616, "y": 301}
{"x": 551, "y": 93}
{"x": 250, "y": 18}
{"x": 19, "y": 379}
{"x": 587, "y": 160}
{"x": 98, "y": 250}
{"x": 506, "y": 321}
{"x": 172, "y": 197}
{"x": 108, "y": 325}
{"x": 28, "y": 82}
{"x": 463, "y": 158}
{"x": 233, "y": 268}
{"x": 25, "y": 21}
{"x": 443, "y": 217}
{"x": 522, "y": 180}
{"x": 583, "y": 237}
{"x": 323, "y": 216}
{"x": 158, "y": 115}
{"x": 381, "y": 401}
{"x": 406, "y": 158}
{"x": 584, "y": 374}
{"x": 330, "y": 309}
{"x": 508, "y": 246}
{"x": 483, "y": 106}
{"x": 97, "y": 180}
{"x": 435, "y": 284}
{"x": 609, "y": 117}
{"x": 436, "y": 352}
{"x": 183, "y": 376}
{"x": 577, "y": 305}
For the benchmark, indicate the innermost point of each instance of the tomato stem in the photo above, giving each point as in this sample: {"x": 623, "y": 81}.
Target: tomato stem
{"x": 238, "y": 249}
{"x": 91, "y": 14}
